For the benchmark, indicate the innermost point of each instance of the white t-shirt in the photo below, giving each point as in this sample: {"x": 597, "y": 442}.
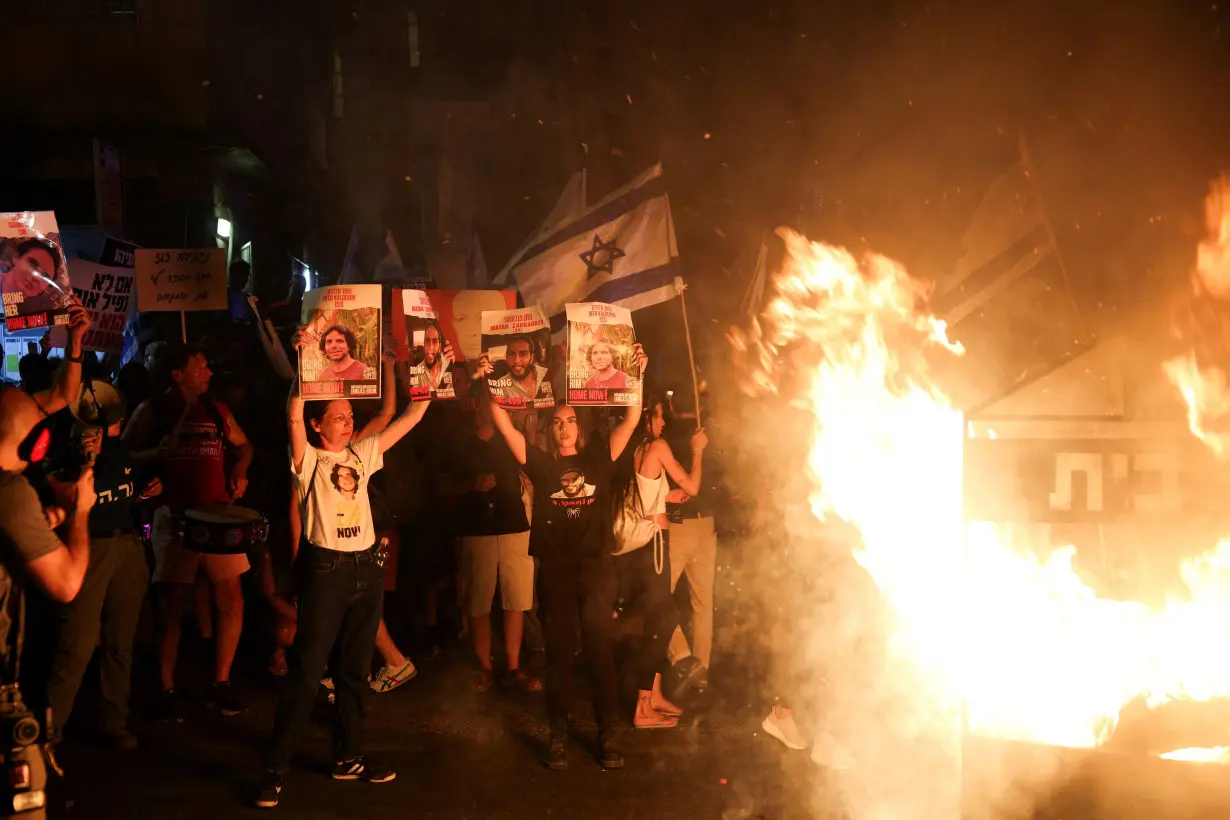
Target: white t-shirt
{"x": 339, "y": 512}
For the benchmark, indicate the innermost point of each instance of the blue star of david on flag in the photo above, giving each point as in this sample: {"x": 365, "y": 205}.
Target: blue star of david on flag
{"x": 601, "y": 257}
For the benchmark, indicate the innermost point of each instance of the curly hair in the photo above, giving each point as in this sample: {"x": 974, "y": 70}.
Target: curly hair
{"x": 336, "y": 476}
{"x": 352, "y": 344}
{"x": 615, "y": 348}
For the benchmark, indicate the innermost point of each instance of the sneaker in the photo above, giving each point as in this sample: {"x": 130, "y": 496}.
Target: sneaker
{"x": 269, "y": 790}
{"x": 610, "y": 755}
{"x": 169, "y": 707}
{"x": 121, "y": 740}
{"x": 830, "y": 754}
{"x": 387, "y": 679}
{"x": 784, "y": 729}
{"x": 224, "y": 698}
{"x": 557, "y": 747}
{"x": 362, "y": 768}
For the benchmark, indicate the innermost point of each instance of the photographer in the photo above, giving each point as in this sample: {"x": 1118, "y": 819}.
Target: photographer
{"x": 106, "y": 611}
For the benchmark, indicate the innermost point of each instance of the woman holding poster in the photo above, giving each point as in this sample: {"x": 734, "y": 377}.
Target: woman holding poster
{"x": 571, "y": 534}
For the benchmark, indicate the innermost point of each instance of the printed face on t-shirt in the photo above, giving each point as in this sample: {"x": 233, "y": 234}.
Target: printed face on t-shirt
{"x": 345, "y": 480}
{"x": 572, "y": 486}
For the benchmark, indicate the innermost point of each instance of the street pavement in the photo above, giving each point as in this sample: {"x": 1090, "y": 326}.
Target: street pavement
{"x": 461, "y": 755}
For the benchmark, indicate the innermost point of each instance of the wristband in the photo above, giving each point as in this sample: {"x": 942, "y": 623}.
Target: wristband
{"x": 78, "y": 359}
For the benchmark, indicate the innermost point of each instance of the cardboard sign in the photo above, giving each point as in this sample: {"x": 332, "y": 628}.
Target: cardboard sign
{"x": 518, "y": 345}
{"x": 601, "y": 367}
{"x": 342, "y": 357}
{"x": 422, "y": 347}
{"x": 189, "y": 279}
{"x": 107, "y": 294}
{"x": 33, "y": 273}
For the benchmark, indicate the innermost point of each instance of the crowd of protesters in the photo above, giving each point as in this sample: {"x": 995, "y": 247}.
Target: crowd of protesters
{"x": 566, "y": 521}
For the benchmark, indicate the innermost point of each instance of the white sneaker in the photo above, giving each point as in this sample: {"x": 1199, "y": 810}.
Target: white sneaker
{"x": 784, "y": 729}
{"x": 387, "y": 679}
{"x": 830, "y": 754}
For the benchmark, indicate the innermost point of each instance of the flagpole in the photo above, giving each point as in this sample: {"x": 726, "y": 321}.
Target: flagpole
{"x": 1027, "y": 164}
{"x": 687, "y": 335}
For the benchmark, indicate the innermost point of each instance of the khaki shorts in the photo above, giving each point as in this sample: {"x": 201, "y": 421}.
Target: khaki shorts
{"x": 485, "y": 556}
{"x": 176, "y": 564}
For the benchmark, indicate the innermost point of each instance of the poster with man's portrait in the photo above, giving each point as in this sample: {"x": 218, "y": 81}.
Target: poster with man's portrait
{"x": 460, "y": 314}
{"x": 601, "y": 366}
{"x": 33, "y": 272}
{"x": 341, "y": 359}
{"x": 518, "y": 345}
{"x": 424, "y": 356}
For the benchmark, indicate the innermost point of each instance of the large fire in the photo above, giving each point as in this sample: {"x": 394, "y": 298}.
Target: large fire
{"x": 1026, "y": 646}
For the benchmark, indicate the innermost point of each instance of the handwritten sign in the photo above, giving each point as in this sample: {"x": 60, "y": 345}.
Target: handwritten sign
{"x": 190, "y": 279}
{"x": 107, "y": 294}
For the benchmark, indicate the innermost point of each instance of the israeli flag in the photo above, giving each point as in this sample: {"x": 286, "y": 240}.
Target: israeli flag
{"x": 621, "y": 251}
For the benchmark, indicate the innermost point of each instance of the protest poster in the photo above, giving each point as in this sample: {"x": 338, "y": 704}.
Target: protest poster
{"x": 426, "y": 356}
{"x": 341, "y": 359}
{"x": 518, "y": 345}
{"x": 460, "y": 314}
{"x": 188, "y": 279}
{"x": 33, "y": 272}
{"x": 601, "y": 367}
{"x": 117, "y": 253}
{"x": 106, "y": 294}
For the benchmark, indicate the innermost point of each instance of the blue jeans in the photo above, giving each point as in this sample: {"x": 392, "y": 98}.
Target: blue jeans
{"x": 341, "y": 595}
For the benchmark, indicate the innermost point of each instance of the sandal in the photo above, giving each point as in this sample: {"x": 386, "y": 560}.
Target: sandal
{"x": 523, "y": 681}
{"x": 662, "y": 722}
{"x": 483, "y": 681}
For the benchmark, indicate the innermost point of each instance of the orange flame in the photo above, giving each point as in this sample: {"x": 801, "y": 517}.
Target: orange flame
{"x": 1030, "y": 649}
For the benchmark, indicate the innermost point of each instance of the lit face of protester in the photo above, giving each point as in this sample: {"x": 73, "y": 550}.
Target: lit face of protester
{"x": 520, "y": 357}
{"x": 432, "y": 345}
{"x": 336, "y": 425}
{"x": 601, "y": 357}
{"x": 30, "y": 272}
{"x": 565, "y": 430}
{"x": 657, "y": 421}
{"x": 193, "y": 380}
{"x": 336, "y": 347}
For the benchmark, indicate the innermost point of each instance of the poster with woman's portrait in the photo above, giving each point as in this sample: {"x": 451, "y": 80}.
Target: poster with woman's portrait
{"x": 33, "y": 272}
{"x": 424, "y": 356}
{"x": 341, "y": 359}
{"x": 460, "y": 315}
{"x": 518, "y": 345}
{"x": 601, "y": 367}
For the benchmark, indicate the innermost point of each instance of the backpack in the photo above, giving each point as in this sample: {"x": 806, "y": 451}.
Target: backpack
{"x": 633, "y": 531}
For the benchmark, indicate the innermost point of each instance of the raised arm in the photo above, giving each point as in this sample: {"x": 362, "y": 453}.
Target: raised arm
{"x": 689, "y": 482}
{"x": 296, "y": 426}
{"x": 512, "y": 436}
{"x": 403, "y": 424}
{"x": 388, "y": 403}
{"x": 499, "y": 416}
{"x": 68, "y": 380}
{"x": 624, "y": 431}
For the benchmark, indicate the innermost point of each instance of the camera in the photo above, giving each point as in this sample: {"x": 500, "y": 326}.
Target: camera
{"x": 18, "y": 726}
{"x": 23, "y": 778}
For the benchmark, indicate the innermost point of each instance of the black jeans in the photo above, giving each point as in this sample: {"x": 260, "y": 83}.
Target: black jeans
{"x": 639, "y": 582}
{"x": 341, "y": 595}
{"x": 578, "y": 600}
{"x": 104, "y": 614}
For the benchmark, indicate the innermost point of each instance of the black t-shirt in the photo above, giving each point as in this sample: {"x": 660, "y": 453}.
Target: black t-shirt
{"x": 115, "y": 482}
{"x": 572, "y": 515}
{"x": 499, "y": 511}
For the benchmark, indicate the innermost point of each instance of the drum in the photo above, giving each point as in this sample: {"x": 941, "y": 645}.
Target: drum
{"x": 224, "y": 529}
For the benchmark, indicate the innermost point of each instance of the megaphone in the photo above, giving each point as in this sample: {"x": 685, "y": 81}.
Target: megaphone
{"x": 98, "y": 405}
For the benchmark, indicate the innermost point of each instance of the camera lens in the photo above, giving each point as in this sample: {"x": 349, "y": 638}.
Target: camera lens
{"x": 25, "y": 730}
